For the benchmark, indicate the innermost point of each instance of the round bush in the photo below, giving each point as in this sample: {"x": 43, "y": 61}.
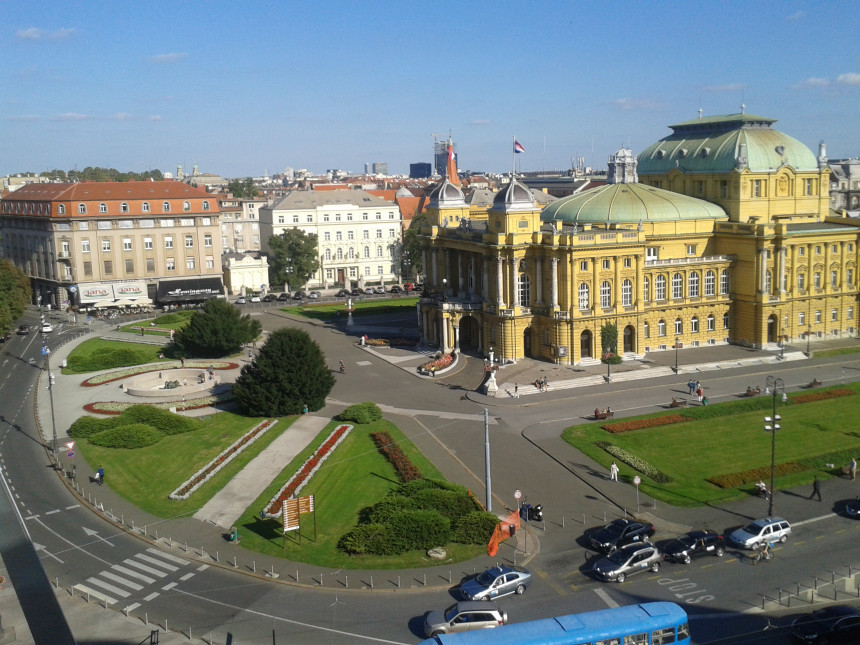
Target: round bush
{"x": 382, "y": 511}
{"x": 135, "y": 435}
{"x": 475, "y": 528}
{"x": 165, "y": 421}
{"x": 363, "y": 540}
{"x": 449, "y": 503}
{"x": 84, "y": 427}
{"x": 361, "y": 413}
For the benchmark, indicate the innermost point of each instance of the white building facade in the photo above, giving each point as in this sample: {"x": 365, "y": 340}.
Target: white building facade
{"x": 359, "y": 235}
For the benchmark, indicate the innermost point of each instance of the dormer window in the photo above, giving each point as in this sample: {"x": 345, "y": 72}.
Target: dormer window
{"x": 123, "y": 208}
{"x": 82, "y": 209}
{"x": 145, "y": 207}
{"x": 61, "y": 209}
{"x": 165, "y": 207}
{"x": 205, "y": 206}
{"x": 102, "y": 208}
{"x": 186, "y": 206}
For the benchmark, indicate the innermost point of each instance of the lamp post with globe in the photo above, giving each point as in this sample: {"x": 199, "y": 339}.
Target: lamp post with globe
{"x": 774, "y": 385}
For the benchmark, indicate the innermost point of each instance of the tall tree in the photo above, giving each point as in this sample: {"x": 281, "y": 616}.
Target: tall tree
{"x": 218, "y": 330}
{"x": 14, "y": 294}
{"x": 293, "y": 258}
{"x": 412, "y": 257}
{"x": 242, "y": 188}
{"x": 288, "y": 373}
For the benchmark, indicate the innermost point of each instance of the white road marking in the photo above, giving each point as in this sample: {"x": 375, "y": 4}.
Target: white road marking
{"x": 187, "y": 575}
{"x": 169, "y": 586}
{"x": 605, "y": 597}
{"x": 132, "y": 607}
{"x": 95, "y": 594}
{"x": 39, "y": 547}
{"x": 814, "y": 519}
{"x": 31, "y": 517}
{"x": 143, "y": 567}
{"x": 68, "y": 508}
{"x": 203, "y": 567}
{"x": 159, "y": 563}
{"x": 161, "y": 554}
{"x": 119, "y": 592}
{"x": 121, "y": 580}
{"x": 154, "y": 594}
{"x": 133, "y": 574}
{"x": 56, "y": 510}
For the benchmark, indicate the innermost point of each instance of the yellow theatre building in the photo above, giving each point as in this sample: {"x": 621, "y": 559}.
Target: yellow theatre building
{"x": 719, "y": 233}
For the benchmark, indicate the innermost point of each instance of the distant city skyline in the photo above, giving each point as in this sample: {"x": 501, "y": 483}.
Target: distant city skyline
{"x": 245, "y": 88}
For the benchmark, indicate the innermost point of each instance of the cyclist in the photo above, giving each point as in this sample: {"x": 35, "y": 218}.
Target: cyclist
{"x": 765, "y": 552}
{"x": 341, "y": 367}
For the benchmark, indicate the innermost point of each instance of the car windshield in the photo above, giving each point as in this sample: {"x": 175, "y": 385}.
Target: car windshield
{"x": 451, "y": 613}
{"x": 486, "y": 578}
{"x": 687, "y": 540}
{"x": 619, "y": 557}
{"x": 613, "y": 529}
{"x": 754, "y": 528}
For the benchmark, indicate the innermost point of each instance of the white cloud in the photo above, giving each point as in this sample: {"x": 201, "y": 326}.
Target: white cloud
{"x": 122, "y": 116}
{"x": 155, "y": 117}
{"x": 851, "y": 78}
{"x": 637, "y": 104}
{"x": 70, "y": 116}
{"x": 811, "y": 82}
{"x": 34, "y": 33}
{"x": 729, "y": 87}
{"x": 168, "y": 58}
{"x": 797, "y": 15}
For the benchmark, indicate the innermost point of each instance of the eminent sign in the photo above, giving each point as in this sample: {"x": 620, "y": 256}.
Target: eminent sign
{"x": 291, "y": 515}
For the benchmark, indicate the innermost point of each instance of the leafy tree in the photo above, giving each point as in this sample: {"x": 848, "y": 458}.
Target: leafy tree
{"x": 242, "y": 188}
{"x": 289, "y": 372}
{"x": 219, "y": 329}
{"x": 412, "y": 256}
{"x": 14, "y": 294}
{"x": 609, "y": 344}
{"x": 293, "y": 258}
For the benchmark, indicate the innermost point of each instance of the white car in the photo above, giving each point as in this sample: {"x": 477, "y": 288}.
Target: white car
{"x": 769, "y": 529}
{"x": 47, "y": 328}
{"x": 255, "y": 298}
{"x": 241, "y": 300}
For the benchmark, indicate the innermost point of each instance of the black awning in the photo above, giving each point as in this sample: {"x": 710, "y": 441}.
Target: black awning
{"x": 189, "y": 289}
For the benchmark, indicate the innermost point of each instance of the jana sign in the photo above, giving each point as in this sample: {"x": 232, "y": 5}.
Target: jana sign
{"x": 517, "y": 494}
{"x": 637, "y": 480}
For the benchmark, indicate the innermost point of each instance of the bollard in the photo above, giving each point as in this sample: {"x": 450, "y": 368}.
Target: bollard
{"x": 216, "y": 555}
{"x": 562, "y": 521}
{"x": 156, "y": 536}
{"x": 321, "y": 580}
{"x": 57, "y": 582}
{"x": 186, "y": 547}
{"x": 273, "y": 570}
{"x": 762, "y": 600}
{"x": 126, "y": 611}
{"x": 201, "y": 551}
{"x": 122, "y": 519}
{"x": 146, "y": 618}
{"x": 346, "y": 581}
{"x": 132, "y": 525}
{"x": 165, "y": 624}
{"x": 234, "y": 561}
{"x": 449, "y": 576}
{"x": 515, "y": 557}
{"x": 297, "y": 575}
{"x": 189, "y": 633}
{"x": 425, "y": 579}
{"x": 398, "y": 582}
{"x": 255, "y": 566}
{"x": 144, "y": 529}
{"x": 171, "y": 542}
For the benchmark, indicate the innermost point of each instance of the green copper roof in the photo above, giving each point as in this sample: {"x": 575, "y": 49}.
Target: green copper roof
{"x": 629, "y": 203}
{"x": 714, "y": 144}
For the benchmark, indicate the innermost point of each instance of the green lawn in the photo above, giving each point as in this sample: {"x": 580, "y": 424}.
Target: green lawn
{"x": 354, "y": 476}
{"x": 729, "y": 438}
{"x": 146, "y": 476}
{"x": 96, "y": 346}
{"x": 370, "y": 308}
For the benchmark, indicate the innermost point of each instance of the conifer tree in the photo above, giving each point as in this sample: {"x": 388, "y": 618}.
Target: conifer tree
{"x": 218, "y": 330}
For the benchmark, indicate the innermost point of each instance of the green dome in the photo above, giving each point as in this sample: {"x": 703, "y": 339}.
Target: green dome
{"x": 725, "y": 143}
{"x": 629, "y": 203}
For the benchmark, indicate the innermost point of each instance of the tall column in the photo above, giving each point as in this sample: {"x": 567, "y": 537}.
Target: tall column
{"x": 515, "y": 279}
{"x": 616, "y": 288}
{"x": 444, "y": 322}
{"x": 780, "y": 287}
{"x": 473, "y": 273}
{"x": 457, "y": 337}
{"x": 553, "y": 294}
{"x": 435, "y": 268}
{"x": 446, "y": 274}
{"x": 485, "y": 278}
{"x": 461, "y": 268}
{"x": 637, "y": 295}
{"x": 539, "y": 281}
{"x": 424, "y": 265}
{"x": 500, "y": 284}
{"x": 595, "y": 286}
{"x": 762, "y": 258}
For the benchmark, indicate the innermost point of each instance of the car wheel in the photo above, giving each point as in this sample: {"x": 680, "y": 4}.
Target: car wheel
{"x": 720, "y": 552}
{"x": 686, "y": 559}
{"x": 486, "y": 598}
{"x": 620, "y": 577}
{"x": 655, "y": 567}
{"x": 519, "y": 590}
{"x": 782, "y": 539}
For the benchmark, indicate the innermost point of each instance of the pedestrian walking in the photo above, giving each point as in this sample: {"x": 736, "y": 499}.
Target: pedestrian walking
{"x": 182, "y": 361}
{"x": 516, "y": 391}
{"x": 691, "y": 386}
{"x": 816, "y": 489}
{"x": 546, "y": 384}
{"x": 852, "y": 468}
{"x": 700, "y": 393}
{"x": 613, "y": 472}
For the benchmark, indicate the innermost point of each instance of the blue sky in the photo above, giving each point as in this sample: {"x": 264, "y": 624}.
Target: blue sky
{"x": 244, "y": 87}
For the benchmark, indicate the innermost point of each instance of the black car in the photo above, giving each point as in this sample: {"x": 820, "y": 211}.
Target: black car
{"x": 343, "y": 293}
{"x": 299, "y": 295}
{"x": 395, "y": 289}
{"x": 852, "y": 508}
{"x": 23, "y": 330}
{"x": 834, "y": 624}
{"x": 5, "y": 337}
{"x": 270, "y": 297}
{"x": 618, "y": 533}
{"x": 356, "y": 292}
{"x": 284, "y": 296}
{"x": 693, "y": 544}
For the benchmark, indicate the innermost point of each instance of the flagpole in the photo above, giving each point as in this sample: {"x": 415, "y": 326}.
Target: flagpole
{"x": 513, "y": 158}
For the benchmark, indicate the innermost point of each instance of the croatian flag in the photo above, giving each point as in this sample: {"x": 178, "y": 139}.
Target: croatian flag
{"x": 518, "y": 147}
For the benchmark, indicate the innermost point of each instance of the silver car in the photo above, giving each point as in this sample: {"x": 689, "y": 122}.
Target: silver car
{"x": 496, "y": 582}
{"x": 769, "y": 529}
{"x": 465, "y": 616}
{"x": 628, "y": 560}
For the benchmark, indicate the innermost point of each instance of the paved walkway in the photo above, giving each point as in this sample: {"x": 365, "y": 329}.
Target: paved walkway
{"x": 233, "y": 500}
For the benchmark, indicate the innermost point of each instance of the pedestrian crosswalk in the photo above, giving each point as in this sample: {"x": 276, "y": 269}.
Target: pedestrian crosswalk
{"x": 125, "y": 581}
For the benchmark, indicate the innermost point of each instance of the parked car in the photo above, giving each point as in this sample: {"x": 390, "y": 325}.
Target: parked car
{"x": 464, "y": 616}
{"x": 369, "y": 291}
{"x": 299, "y": 295}
{"x": 284, "y": 296}
{"x": 5, "y": 337}
{"x": 380, "y": 289}
{"x": 769, "y": 529}
{"x": 496, "y": 582}
{"x": 255, "y": 298}
{"x": 23, "y": 330}
{"x": 409, "y": 287}
{"x": 395, "y": 289}
{"x": 618, "y": 533}
{"x": 693, "y": 544}
{"x": 834, "y": 624}
{"x": 47, "y": 328}
{"x": 628, "y": 560}
{"x": 356, "y": 292}
{"x": 241, "y": 300}
{"x": 314, "y": 295}
{"x": 270, "y": 297}
{"x": 343, "y": 293}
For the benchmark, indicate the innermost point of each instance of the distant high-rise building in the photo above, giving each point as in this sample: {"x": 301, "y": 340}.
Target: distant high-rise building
{"x": 420, "y": 170}
{"x": 380, "y": 168}
{"x": 367, "y": 168}
{"x": 440, "y": 157}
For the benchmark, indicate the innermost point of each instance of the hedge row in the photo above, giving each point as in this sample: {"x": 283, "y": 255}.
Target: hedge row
{"x": 361, "y": 413}
{"x": 634, "y": 462}
{"x": 160, "y": 422}
{"x": 406, "y": 470}
{"x": 733, "y": 480}
{"x": 109, "y": 359}
{"x": 641, "y": 424}
{"x": 134, "y": 435}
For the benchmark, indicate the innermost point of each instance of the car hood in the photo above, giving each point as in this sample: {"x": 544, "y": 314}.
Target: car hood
{"x": 472, "y": 587}
{"x": 603, "y": 536}
{"x": 605, "y": 565}
{"x": 742, "y": 536}
{"x": 435, "y": 617}
{"x": 675, "y": 547}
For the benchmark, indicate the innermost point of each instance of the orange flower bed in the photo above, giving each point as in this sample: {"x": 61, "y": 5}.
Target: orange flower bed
{"x": 821, "y": 396}
{"x": 641, "y": 424}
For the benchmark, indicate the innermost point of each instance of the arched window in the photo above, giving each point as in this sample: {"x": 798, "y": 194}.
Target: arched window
{"x": 524, "y": 290}
{"x": 145, "y": 207}
{"x": 186, "y": 206}
{"x": 694, "y": 325}
{"x": 646, "y": 289}
{"x": 123, "y": 208}
{"x": 165, "y": 207}
{"x": 626, "y": 293}
{"x": 205, "y": 205}
{"x": 340, "y": 254}
{"x": 660, "y": 288}
{"x": 328, "y": 254}
{"x": 583, "y": 296}
{"x": 711, "y": 322}
{"x": 710, "y": 283}
{"x": 646, "y": 330}
{"x": 605, "y": 294}
{"x": 679, "y": 326}
{"x": 61, "y": 209}
{"x": 677, "y": 286}
{"x": 82, "y": 209}
{"x": 693, "y": 284}
{"x": 102, "y": 208}
{"x": 661, "y": 328}
{"x": 724, "y": 282}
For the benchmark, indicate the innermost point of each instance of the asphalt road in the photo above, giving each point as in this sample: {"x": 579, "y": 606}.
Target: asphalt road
{"x": 78, "y": 546}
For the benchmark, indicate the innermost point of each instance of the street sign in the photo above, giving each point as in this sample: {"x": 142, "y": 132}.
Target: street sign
{"x": 70, "y": 454}
{"x": 73, "y": 289}
{"x": 637, "y": 480}
{"x": 517, "y": 494}
{"x": 290, "y": 512}
{"x": 44, "y": 351}
{"x": 70, "y": 444}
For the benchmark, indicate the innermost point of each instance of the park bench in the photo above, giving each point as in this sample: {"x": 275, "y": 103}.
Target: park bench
{"x": 752, "y": 392}
{"x": 678, "y": 403}
{"x": 603, "y": 415}
{"x": 813, "y": 383}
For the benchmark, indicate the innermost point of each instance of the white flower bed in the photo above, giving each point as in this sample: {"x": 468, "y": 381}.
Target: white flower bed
{"x": 154, "y": 367}
{"x": 222, "y": 459}
{"x": 307, "y": 476}
{"x": 118, "y": 407}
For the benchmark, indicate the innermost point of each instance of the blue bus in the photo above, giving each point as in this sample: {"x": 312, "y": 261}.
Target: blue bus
{"x": 650, "y": 623}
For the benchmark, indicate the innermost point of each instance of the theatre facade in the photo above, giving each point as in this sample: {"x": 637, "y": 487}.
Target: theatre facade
{"x": 719, "y": 233}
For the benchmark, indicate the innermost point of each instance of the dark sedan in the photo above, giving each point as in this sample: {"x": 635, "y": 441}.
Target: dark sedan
{"x": 343, "y": 293}
{"x": 270, "y": 297}
{"x": 834, "y": 624}
{"x": 852, "y": 508}
{"x": 356, "y": 292}
{"x": 299, "y": 295}
{"x": 23, "y": 330}
{"x": 284, "y": 296}
{"x": 693, "y": 544}
{"x": 618, "y": 533}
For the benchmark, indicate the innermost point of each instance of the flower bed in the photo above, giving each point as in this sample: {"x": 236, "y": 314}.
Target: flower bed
{"x": 377, "y": 342}
{"x": 437, "y": 365}
{"x": 118, "y": 407}
{"x": 116, "y": 375}
{"x": 303, "y": 475}
{"x": 406, "y": 470}
{"x": 821, "y": 396}
{"x": 225, "y": 457}
{"x": 733, "y": 480}
{"x": 634, "y": 462}
{"x": 627, "y": 426}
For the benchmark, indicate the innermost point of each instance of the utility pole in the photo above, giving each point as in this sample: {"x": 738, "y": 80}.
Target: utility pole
{"x": 488, "y": 478}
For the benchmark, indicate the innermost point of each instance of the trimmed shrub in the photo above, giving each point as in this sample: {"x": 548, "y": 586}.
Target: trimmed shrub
{"x": 385, "y": 508}
{"x": 135, "y": 435}
{"x": 448, "y": 503}
{"x": 410, "y": 488}
{"x": 409, "y": 530}
{"x": 85, "y": 427}
{"x": 163, "y": 420}
{"x": 365, "y": 539}
{"x": 361, "y": 413}
{"x": 475, "y": 528}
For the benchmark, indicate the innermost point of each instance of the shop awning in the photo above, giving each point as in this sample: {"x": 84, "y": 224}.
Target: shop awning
{"x": 189, "y": 289}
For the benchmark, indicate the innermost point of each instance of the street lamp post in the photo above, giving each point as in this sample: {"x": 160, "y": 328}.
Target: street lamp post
{"x": 444, "y": 289}
{"x": 676, "y": 354}
{"x": 808, "y": 333}
{"x": 47, "y": 351}
{"x": 774, "y": 384}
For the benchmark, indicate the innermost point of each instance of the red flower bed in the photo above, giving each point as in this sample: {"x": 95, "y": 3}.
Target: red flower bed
{"x": 821, "y": 396}
{"x": 406, "y": 470}
{"x": 627, "y": 426}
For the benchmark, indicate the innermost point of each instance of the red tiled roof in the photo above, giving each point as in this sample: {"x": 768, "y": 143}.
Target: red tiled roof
{"x": 110, "y": 190}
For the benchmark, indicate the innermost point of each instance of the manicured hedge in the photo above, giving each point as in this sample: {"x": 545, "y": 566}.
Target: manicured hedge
{"x": 361, "y": 413}
{"x": 475, "y": 528}
{"x": 135, "y": 435}
{"x": 163, "y": 420}
{"x": 383, "y": 510}
{"x": 85, "y": 427}
{"x": 108, "y": 359}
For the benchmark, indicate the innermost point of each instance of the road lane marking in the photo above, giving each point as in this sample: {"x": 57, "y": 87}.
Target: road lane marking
{"x": 154, "y": 594}
{"x": 133, "y": 574}
{"x": 32, "y": 517}
{"x": 187, "y": 576}
{"x": 68, "y": 508}
{"x": 143, "y": 567}
{"x": 121, "y": 580}
{"x": 203, "y": 567}
{"x": 56, "y": 510}
{"x": 132, "y": 607}
{"x": 169, "y": 586}
{"x": 119, "y": 592}
{"x": 162, "y": 554}
{"x": 813, "y": 519}
{"x": 156, "y": 562}
{"x": 95, "y": 594}
{"x": 605, "y": 597}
